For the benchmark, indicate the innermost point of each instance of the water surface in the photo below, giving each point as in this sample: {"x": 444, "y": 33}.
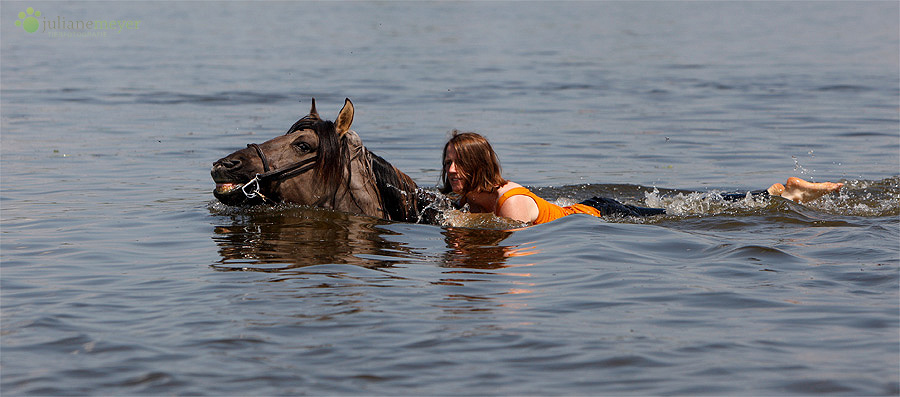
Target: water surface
{"x": 122, "y": 276}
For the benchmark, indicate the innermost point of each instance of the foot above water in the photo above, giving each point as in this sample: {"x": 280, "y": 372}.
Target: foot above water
{"x": 801, "y": 191}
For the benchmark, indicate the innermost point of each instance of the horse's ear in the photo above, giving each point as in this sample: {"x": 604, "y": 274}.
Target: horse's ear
{"x": 312, "y": 110}
{"x": 344, "y": 118}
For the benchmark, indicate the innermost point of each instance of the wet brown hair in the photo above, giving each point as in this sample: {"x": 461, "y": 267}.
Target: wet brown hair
{"x": 476, "y": 162}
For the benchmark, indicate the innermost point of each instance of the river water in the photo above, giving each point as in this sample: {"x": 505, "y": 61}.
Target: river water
{"x": 121, "y": 275}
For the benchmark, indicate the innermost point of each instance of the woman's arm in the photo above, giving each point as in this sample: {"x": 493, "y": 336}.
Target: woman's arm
{"x": 519, "y": 207}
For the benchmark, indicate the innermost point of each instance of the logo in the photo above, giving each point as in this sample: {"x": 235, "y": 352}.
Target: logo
{"x": 60, "y": 26}
{"x": 28, "y": 21}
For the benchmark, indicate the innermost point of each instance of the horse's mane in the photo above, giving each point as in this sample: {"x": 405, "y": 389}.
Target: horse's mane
{"x": 333, "y": 156}
{"x": 397, "y": 190}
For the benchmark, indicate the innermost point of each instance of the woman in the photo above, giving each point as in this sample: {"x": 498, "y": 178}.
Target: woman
{"x": 472, "y": 170}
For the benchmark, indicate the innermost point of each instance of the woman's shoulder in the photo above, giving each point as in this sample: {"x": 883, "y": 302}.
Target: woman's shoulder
{"x": 515, "y": 202}
{"x": 507, "y": 187}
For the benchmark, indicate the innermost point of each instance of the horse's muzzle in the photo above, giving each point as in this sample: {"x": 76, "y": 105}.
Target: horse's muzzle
{"x": 229, "y": 181}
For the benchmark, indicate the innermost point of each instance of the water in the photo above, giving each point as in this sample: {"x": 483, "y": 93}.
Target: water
{"x": 122, "y": 276}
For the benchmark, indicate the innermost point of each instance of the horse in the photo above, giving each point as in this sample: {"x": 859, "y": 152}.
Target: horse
{"x": 319, "y": 163}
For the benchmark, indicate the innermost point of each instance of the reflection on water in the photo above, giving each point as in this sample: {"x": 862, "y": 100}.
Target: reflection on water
{"x": 475, "y": 274}
{"x": 476, "y": 248}
{"x": 287, "y": 237}
{"x": 478, "y": 251}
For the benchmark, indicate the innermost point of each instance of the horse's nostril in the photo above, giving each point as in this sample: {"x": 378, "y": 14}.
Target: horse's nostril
{"x": 228, "y": 163}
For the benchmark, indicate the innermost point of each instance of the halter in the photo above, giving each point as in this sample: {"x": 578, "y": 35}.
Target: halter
{"x": 252, "y": 188}
{"x": 288, "y": 172}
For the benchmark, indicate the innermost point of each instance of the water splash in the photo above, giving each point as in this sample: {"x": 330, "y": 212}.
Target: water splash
{"x": 444, "y": 212}
{"x": 799, "y": 168}
{"x": 857, "y": 198}
{"x": 703, "y": 203}
{"x": 864, "y": 198}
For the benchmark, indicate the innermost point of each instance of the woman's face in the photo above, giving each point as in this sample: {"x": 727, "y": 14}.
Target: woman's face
{"x": 454, "y": 174}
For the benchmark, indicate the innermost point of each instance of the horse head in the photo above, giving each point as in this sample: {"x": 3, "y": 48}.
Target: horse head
{"x": 317, "y": 163}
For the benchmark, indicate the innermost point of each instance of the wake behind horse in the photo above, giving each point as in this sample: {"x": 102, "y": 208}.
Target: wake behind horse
{"x": 319, "y": 163}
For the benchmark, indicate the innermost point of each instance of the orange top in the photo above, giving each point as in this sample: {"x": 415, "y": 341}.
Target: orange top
{"x": 547, "y": 211}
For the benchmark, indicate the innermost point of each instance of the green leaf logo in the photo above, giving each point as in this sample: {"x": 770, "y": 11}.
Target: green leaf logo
{"x": 28, "y": 21}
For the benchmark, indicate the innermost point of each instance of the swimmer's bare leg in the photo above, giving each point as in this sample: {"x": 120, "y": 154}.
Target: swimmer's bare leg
{"x": 800, "y": 191}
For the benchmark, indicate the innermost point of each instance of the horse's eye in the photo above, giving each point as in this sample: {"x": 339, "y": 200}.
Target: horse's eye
{"x": 302, "y": 146}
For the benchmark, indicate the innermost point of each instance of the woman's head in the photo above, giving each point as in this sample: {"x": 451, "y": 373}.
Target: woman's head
{"x": 470, "y": 165}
